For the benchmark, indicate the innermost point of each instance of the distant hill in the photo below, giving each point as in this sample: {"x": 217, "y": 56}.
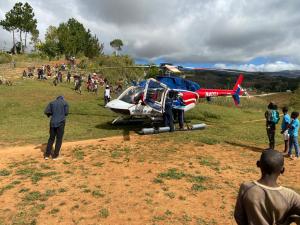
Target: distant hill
{"x": 259, "y": 81}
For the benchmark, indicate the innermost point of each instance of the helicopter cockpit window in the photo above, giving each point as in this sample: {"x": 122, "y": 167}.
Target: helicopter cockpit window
{"x": 133, "y": 95}
{"x": 154, "y": 94}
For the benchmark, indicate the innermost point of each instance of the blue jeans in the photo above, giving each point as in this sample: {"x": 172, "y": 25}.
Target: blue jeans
{"x": 294, "y": 142}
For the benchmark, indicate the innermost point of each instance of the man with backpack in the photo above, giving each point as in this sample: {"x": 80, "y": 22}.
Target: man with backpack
{"x": 272, "y": 118}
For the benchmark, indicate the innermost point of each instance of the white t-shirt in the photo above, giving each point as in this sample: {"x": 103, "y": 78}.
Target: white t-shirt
{"x": 107, "y": 92}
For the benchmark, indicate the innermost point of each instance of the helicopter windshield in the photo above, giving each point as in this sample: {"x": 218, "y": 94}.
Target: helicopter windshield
{"x": 132, "y": 95}
{"x": 155, "y": 94}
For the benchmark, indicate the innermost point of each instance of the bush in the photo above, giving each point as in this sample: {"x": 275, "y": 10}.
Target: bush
{"x": 5, "y": 58}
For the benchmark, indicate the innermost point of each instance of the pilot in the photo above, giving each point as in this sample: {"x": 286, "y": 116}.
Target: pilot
{"x": 168, "y": 114}
{"x": 180, "y": 110}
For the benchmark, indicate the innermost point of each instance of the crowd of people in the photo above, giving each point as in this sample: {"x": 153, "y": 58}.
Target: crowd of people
{"x": 60, "y": 74}
{"x": 289, "y": 129}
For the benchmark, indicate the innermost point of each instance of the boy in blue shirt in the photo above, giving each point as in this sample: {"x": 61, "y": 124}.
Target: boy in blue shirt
{"x": 293, "y": 132}
{"x": 284, "y": 128}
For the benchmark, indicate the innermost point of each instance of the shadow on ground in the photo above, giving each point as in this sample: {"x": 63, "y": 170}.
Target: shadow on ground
{"x": 252, "y": 148}
{"x": 41, "y": 147}
{"x": 127, "y": 129}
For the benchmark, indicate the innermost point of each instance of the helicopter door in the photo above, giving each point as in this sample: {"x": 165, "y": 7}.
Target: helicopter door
{"x": 154, "y": 94}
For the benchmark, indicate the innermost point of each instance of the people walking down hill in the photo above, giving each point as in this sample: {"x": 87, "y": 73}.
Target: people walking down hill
{"x": 55, "y": 81}
{"x": 264, "y": 202}
{"x": 293, "y": 133}
{"x": 69, "y": 77}
{"x": 272, "y": 118}
{"x": 78, "y": 84}
{"x": 24, "y": 73}
{"x": 60, "y": 76}
{"x": 96, "y": 87}
{"x": 284, "y": 128}
{"x": 57, "y": 110}
{"x": 106, "y": 95}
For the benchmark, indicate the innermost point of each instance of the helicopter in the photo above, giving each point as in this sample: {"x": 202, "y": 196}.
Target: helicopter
{"x": 146, "y": 99}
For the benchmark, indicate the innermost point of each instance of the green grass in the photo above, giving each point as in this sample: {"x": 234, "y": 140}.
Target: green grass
{"x": 78, "y": 153}
{"x": 22, "y": 109}
{"x": 172, "y": 174}
{"x": 34, "y": 174}
{"x": 209, "y": 161}
{"x": 103, "y": 213}
{"x": 4, "y": 173}
{"x": 22, "y": 119}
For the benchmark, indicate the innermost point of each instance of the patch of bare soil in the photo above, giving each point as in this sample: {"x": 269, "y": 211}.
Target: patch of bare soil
{"x": 139, "y": 181}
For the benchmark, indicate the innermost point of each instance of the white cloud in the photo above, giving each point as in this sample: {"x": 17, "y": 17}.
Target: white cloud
{"x": 195, "y": 31}
{"x": 267, "y": 67}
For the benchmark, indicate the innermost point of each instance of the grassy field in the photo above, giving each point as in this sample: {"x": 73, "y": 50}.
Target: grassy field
{"x": 171, "y": 178}
{"x": 22, "y": 119}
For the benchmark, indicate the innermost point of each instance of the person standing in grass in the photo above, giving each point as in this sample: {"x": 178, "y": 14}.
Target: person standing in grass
{"x": 284, "y": 128}
{"x": 58, "y": 110}
{"x": 69, "y": 77}
{"x": 106, "y": 95}
{"x": 293, "y": 132}
{"x": 272, "y": 118}
{"x": 264, "y": 202}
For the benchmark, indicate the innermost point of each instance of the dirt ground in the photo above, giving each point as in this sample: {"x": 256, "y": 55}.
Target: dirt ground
{"x": 140, "y": 180}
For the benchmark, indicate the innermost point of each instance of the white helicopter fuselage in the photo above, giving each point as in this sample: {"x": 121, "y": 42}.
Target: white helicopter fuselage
{"x": 130, "y": 104}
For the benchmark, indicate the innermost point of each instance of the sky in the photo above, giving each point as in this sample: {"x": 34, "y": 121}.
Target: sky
{"x": 256, "y": 35}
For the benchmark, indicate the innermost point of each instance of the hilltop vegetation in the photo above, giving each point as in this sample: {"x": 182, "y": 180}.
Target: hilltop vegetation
{"x": 260, "y": 82}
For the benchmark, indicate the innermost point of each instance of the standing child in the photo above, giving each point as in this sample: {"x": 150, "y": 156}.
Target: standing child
{"x": 96, "y": 87}
{"x": 264, "y": 202}
{"x": 284, "y": 128}
{"x": 293, "y": 132}
{"x": 106, "y": 95}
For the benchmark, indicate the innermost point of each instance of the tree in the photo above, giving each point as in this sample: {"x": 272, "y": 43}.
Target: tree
{"x": 92, "y": 47}
{"x": 17, "y": 13}
{"x": 117, "y": 45}
{"x": 73, "y": 39}
{"x": 10, "y": 24}
{"x": 29, "y": 24}
{"x": 35, "y": 38}
{"x": 50, "y": 48}
{"x": 20, "y": 18}
{"x": 51, "y": 45}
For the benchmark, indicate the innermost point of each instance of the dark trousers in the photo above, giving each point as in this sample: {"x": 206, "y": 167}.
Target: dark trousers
{"x": 169, "y": 120}
{"x": 271, "y": 136}
{"x": 58, "y": 133}
{"x": 181, "y": 118}
{"x": 106, "y": 100}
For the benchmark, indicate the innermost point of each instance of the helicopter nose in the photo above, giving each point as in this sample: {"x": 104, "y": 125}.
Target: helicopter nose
{"x": 118, "y": 106}
{"x": 112, "y": 104}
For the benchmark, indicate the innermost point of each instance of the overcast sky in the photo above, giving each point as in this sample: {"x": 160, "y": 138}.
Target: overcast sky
{"x": 244, "y": 34}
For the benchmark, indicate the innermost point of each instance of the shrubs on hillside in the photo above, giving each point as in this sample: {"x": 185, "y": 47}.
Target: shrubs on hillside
{"x": 5, "y": 58}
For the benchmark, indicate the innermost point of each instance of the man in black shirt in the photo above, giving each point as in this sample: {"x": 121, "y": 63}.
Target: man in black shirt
{"x": 58, "y": 110}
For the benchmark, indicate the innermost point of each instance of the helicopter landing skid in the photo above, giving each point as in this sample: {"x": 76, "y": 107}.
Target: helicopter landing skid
{"x": 158, "y": 130}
